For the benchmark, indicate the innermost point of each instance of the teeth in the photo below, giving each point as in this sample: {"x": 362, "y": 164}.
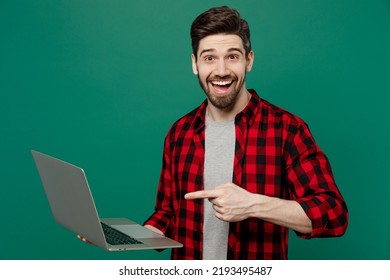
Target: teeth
{"x": 221, "y": 83}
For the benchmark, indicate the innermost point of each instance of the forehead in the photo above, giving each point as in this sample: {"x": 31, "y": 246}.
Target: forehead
{"x": 220, "y": 43}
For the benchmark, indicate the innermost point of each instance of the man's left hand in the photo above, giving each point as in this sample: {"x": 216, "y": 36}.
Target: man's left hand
{"x": 230, "y": 202}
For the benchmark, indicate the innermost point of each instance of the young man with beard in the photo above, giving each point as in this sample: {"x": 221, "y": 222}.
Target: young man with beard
{"x": 239, "y": 172}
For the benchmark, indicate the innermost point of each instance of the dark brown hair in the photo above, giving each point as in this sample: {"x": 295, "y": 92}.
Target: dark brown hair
{"x": 219, "y": 20}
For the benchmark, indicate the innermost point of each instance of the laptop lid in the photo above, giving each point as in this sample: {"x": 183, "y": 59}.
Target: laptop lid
{"x": 73, "y": 207}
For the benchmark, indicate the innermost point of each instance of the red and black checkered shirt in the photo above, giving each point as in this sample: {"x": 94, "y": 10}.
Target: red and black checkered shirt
{"x": 275, "y": 155}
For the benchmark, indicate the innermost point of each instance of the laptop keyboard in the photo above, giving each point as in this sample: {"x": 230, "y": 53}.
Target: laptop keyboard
{"x": 115, "y": 237}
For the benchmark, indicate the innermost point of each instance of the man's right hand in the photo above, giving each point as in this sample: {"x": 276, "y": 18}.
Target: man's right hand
{"x": 152, "y": 228}
{"x": 82, "y": 238}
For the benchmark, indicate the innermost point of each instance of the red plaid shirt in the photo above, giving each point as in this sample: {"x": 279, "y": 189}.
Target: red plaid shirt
{"x": 275, "y": 155}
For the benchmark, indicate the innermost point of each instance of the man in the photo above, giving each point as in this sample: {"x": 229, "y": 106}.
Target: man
{"x": 239, "y": 172}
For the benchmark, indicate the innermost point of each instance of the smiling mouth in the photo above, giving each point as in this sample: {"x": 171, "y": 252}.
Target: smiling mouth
{"x": 221, "y": 86}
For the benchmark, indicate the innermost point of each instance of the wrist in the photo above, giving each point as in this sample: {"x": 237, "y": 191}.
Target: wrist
{"x": 259, "y": 206}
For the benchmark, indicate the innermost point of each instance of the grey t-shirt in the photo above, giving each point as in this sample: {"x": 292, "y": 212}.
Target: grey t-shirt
{"x": 218, "y": 169}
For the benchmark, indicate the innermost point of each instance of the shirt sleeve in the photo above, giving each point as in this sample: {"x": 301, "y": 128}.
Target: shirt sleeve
{"x": 163, "y": 216}
{"x": 312, "y": 185}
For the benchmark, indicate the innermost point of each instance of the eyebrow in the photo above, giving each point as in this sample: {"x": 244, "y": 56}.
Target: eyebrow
{"x": 229, "y": 50}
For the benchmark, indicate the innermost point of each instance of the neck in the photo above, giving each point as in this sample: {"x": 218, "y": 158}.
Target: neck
{"x": 217, "y": 114}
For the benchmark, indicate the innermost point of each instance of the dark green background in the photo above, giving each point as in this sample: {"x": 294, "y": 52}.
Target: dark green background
{"x": 98, "y": 83}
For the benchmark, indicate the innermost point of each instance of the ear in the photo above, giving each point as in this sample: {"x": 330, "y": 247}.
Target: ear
{"x": 249, "y": 61}
{"x": 194, "y": 66}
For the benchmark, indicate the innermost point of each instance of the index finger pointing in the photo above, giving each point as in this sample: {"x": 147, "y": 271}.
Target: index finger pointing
{"x": 201, "y": 194}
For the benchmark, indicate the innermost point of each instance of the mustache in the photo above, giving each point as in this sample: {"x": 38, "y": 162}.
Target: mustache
{"x": 221, "y": 78}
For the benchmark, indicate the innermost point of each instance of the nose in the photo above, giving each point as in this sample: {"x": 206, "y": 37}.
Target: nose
{"x": 221, "y": 69}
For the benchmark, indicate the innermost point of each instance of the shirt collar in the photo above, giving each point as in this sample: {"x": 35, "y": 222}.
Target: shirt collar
{"x": 251, "y": 108}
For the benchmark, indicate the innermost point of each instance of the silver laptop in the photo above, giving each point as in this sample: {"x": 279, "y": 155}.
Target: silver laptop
{"x": 73, "y": 207}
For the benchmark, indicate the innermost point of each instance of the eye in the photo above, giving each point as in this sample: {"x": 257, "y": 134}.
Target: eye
{"x": 233, "y": 57}
{"x": 208, "y": 58}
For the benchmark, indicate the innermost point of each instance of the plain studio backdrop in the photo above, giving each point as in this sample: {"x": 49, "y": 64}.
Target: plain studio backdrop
{"x": 99, "y": 83}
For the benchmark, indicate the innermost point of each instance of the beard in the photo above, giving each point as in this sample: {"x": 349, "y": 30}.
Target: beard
{"x": 226, "y": 102}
